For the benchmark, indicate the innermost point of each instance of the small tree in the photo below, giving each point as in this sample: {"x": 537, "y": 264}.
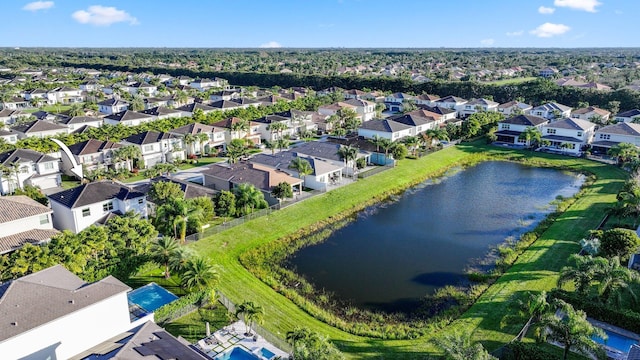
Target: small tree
{"x": 619, "y": 242}
{"x": 225, "y": 203}
{"x": 282, "y": 191}
{"x": 163, "y": 191}
{"x": 399, "y": 151}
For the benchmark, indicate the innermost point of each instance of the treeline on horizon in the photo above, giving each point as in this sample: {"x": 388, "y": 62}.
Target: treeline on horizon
{"x": 536, "y": 91}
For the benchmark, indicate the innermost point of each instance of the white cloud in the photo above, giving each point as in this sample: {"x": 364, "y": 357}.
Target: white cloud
{"x": 487, "y": 42}
{"x": 547, "y": 30}
{"x": 103, "y": 16}
{"x": 38, "y": 5}
{"x": 515, "y": 33}
{"x": 585, "y": 5}
{"x": 546, "y": 10}
{"x": 271, "y": 44}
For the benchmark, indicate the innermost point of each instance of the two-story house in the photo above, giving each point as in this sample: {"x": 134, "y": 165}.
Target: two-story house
{"x": 611, "y": 135}
{"x": 591, "y": 113}
{"x": 205, "y": 84}
{"x": 452, "y": 102}
{"x": 510, "y": 130}
{"x": 28, "y": 167}
{"x": 161, "y": 112}
{"x": 141, "y": 88}
{"x": 426, "y": 99}
{"x": 65, "y": 95}
{"x": 80, "y": 207}
{"x": 514, "y": 108}
{"x": 324, "y": 173}
{"x": 266, "y": 127}
{"x": 475, "y": 105}
{"x": 568, "y": 135}
{"x": 329, "y": 151}
{"x": 384, "y": 128}
{"x": 395, "y": 101}
{"x": 39, "y": 129}
{"x": 215, "y": 138}
{"x": 77, "y": 122}
{"x": 23, "y": 220}
{"x": 365, "y": 109}
{"x": 92, "y": 154}
{"x": 628, "y": 116}
{"x": 233, "y": 130}
{"x": 189, "y": 109}
{"x": 128, "y": 118}
{"x": 112, "y": 106}
{"x": 551, "y": 111}
{"x": 157, "y": 147}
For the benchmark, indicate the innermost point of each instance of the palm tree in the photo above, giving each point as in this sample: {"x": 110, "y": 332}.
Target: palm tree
{"x": 184, "y": 210}
{"x": 386, "y": 145}
{"x": 76, "y": 110}
{"x": 297, "y": 335}
{"x": 283, "y": 144}
{"x": 203, "y": 140}
{"x": 199, "y": 274}
{"x": 581, "y": 274}
{"x": 531, "y": 135}
{"x": 251, "y": 313}
{"x": 127, "y": 153}
{"x": 12, "y": 174}
{"x": 249, "y": 198}
{"x": 137, "y": 103}
{"x": 613, "y": 279}
{"x": 162, "y": 251}
{"x": 623, "y": 152}
{"x": 459, "y": 347}
{"x": 189, "y": 139}
{"x": 533, "y": 307}
{"x": 239, "y": 127}
{"x": 412, "y": 143}
{"x": 349, "y": 154}
{"x": 572, "y": 330}
{"x": 235, "y": 150}
{"x": 271, "y": 145}
{"x": 277, "y": 127}
{"x": 181, "y": 97}
{"x": 377, "y": 141}
{"x": 302, "y": 166}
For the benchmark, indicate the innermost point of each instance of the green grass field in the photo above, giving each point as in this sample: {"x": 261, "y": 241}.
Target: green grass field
{"x": 535, "y": 270}
{"x": 514, "y": 81}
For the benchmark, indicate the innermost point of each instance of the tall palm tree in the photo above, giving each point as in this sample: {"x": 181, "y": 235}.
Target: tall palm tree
{"x": 181, "y": 97}
{"x": 236, "y": 149}
{"x": 137, "y": 103}
{"x": 377, "y": 141}
{"x": 531, "y": 135}
{"x": 460, "y": 347}
{"x": 386, "y": 145}
{"x": 582, "y": 274}
{"x": 412, "y": 143}
{"x": 251, "y": 313}
{"x": 533, "y": 307}
{"x": 277, "y": 127}
{"x": 203, "y": 140}
{"x": 572, "y": 330}
{"x": 239, "y": 127}
{"x": 349, "y": 154}
{"x": 199, "y": 274}
{"x": 283, "y": 144}
{"x": 127, "y": 153}
{"x": 302, "y": 166}
{"x": 162, "y": 251}
{"x": 184, "y": 210}
{"x": 189, "y": 139}
{"x": 298, "y": 335}
{"x": 613, "y": 280}
{"x": 271, "y": 145}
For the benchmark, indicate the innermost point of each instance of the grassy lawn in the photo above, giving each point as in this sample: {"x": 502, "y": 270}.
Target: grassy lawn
{"x": 69, "y": 184}
{"x": 514, "y": 81}
{"x": 50, "y": 108}
{"x": 535, "y": 270}
{"x": 192, "y": 326}
{"x": 203, "y": 161}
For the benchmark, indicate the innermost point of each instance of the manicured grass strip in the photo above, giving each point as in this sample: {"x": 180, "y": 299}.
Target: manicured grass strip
{"x": 536, "y": 269}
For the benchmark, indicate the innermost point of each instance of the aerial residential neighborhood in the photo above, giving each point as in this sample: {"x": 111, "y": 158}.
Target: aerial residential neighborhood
{"x": 326, "y": 186}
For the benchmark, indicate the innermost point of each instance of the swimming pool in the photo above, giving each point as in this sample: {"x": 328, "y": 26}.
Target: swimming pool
{"x": 616, "y": 341}
{"x": 151, "y": 297}
{"x": 237, "y": 353}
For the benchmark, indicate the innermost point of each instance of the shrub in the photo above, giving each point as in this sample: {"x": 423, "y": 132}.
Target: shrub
{"x": 181, "y": 306}
{"x": 522, "y": 351}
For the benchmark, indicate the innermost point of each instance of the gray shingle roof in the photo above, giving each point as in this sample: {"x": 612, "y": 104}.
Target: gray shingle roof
{"x": 571, "y": 124}
{"x": 37, "y": 126}
{"x": 621, "y": 128}
{"x": 94, "y": 192}
{"x": 79, "y": 120}
{"x": 193, "y": 129}
{"x": 324, "y": 150}
{"x": 629, "y": 113}
{"x": 149, "y": 137}
{"x": 47, "y": 295}
{"x": 33, "y": 236}
{"x": 552, "y": 106}
{"x": 128, "y": 115}
{"x": 161, "y": 110}
{"x": 526, "y": 120}
{"x": 385, "y": 125}
{"x": 24, "y": 155}
{"x": 92, "y": 146}
{"x": 193, "y": 106}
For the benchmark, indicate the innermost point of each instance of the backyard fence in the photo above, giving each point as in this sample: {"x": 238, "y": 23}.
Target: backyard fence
{"x": 376, "y": 170}
{"x": 266, "y": 334}
{"x": 232, "y": 223}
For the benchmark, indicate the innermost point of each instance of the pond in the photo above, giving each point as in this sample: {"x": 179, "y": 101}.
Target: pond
{"x": 397, "y": 252}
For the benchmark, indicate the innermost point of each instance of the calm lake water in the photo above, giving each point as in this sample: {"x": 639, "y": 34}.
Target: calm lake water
{"x": 397, "y": 252}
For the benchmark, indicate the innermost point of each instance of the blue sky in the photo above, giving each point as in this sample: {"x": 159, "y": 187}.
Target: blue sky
{"x": 320, "y": 23}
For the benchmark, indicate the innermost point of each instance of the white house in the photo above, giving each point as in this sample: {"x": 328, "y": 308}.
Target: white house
{"x": 426, "y": 99}
{"x": 128, "y": 118}
{"x": 90, "y": 85}
{"x": 76, "y": 122}
{"x": 141, "y": 88}
{"x": 513, "y": 108}
{"x": 509, "y": 130}
{"x": 28, "y": 167}
{"x": 78, "y": 208}
{"x": 329, "y": 152}
{"x": 189, "y": 109}
{"x": 591, "y": 113}
{"x": 418, "y": 120}
{"x": 92, "y": 154}
{"x": 161, "y": 112}
{"x": 65, "y": 95}
{"x": 628, "y": 116}
{"x": 157, "y": 147}
{"x": 229, "y": 126}
{"x": 551, "y": 111}
{"x": 265, "y": 127}
{"x": 112, "y": 106}
{"x": 39, "y": 129}
{"x": 11, "y": 116}
{"x": 548, "y": 72}
{"x": 9, "y": 136}
{"x": 568, "y": 135}
{"x": 476, "y": 105}
{"x": 611, "y": 135}
{"x": 324, "y": 173}
{"x": 385, "y": 128}
{"x": 205, "y": 84}
{"x": 452, "y": 102}
{"x": 23, "y": 220}
{"x": 394, "y": 102}
{"x": 216, "y": 137}
{"x": 53, "y": 314}
{"x": 366, "y": 110}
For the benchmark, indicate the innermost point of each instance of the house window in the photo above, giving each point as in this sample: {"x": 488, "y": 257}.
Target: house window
{"x": 86, "y": 212}
{"x": 579, "y": 133}
{"x": 148, "y": 148}
{"x": 44, "y": 219}
{"x": 140, "y": 201}
{"x": 505, "y": 126}
{"x": 48, "y": 166}
{"x": 107, "y": 206}
{"x": 605, "y": 136}
{"x": 551, "y": 131}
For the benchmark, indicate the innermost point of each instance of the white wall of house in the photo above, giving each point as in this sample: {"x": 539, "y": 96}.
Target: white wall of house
{"x": 71, "y": 334}
{"x": 105, "y": 109}
{"x": 43, "y": 134}
{"x": 42, "y": 221}
{"x": 370, "y": 134}
{"x": 49, "y": 176}
{"x": 600, "y": 136}
{"x": 80, "y": 218}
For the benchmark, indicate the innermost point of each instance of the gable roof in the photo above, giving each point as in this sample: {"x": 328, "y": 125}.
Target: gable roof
{"x": 323, "y": 150}
{"x": 24, "y": 155}
{"x": 47, "y": 295}
{"x": 92, "y": 193}
{"x": 33, "y": 236}
{"x": 193, "y": 129}
{"x": 590, "y": 109}
{"x": 127, "y": 115}
{"x": 149, "y": 137}
{"x": 451, "y": 99}
{"x": 482, "y": 101}
{"x": 526, "y": 120}
{"x": 413, "y": 119}
{"x": 79, "y": 120}
{"x": 92, "y": 146}
{"x": 629, "y": 113}
{"x": 571, "y": 124}
{"x": 552, "y": 106}
{"x": 385, "y": 125}
{"x": 38, "y": 126}
{"x": 228, "y": 123}
{"x": 621, "y": 128}
{"x": 518, "y": 104}
{"x": 191, "y": 190}
{"x": 160, "y": 111}
{"x": 224, "y": 104}
{"x": 193, "y": 106}
{"x": 19, "y": 207}
{"x": 243, "y": 172}
{"x": 113, "y": 102}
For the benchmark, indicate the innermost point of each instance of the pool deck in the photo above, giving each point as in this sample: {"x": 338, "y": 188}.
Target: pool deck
{"x": 611, "y": 352}
{"x": 232, "y": 336}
